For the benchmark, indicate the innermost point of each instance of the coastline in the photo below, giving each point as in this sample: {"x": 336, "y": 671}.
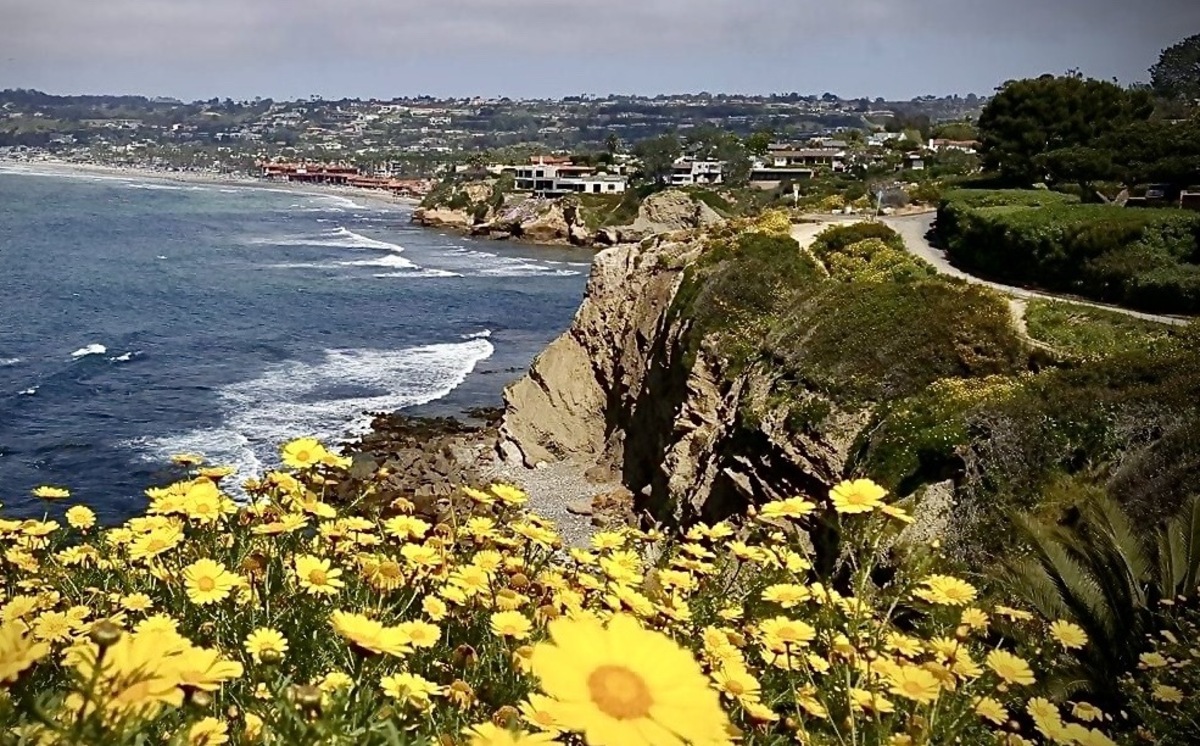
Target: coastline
{"x": 209, "y": 178}
{"x": 562, "y": 491}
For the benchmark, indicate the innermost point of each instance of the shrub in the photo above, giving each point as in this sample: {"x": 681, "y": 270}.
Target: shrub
{"x": 1125, "y": 423}
{"x": 837, "y": 238}
{"x": 288, "y": 621}
{"x": 873, "y": 260}
{"x": 1091, "y": 332}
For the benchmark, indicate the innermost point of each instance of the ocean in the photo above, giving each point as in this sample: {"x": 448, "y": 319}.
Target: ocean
{"x": 141, "y": 318}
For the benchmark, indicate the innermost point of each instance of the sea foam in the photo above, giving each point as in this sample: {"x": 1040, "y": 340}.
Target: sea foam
{"x": 325, "y": 399}
{"x": 92, "y": 349}
{"x": 7, "y": 362}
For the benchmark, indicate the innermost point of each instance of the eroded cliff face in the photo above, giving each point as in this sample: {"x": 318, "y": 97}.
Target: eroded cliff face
{"x": 623, "y": 393}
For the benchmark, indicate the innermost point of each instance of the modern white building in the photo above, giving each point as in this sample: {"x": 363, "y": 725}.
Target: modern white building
{"x": 548, "y": 180}
{"x": 687, "y": 171}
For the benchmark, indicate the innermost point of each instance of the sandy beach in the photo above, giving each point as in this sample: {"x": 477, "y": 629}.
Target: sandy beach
{"x": 211, "y": 178}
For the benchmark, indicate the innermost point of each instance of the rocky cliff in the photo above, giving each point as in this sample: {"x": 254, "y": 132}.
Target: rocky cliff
{"x": 625, "y": 392}
{"x": 712, "y": 369}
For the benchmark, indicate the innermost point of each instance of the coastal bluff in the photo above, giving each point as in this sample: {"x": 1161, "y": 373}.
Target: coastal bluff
{"x": 623, "y": 395}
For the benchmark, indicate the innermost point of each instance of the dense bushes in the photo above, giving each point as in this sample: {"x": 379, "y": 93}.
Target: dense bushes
{"x": 1139, "y": 257}
{"x": 837, "y": 238}
{"x": 858, "y": 342}
{"x": 881, "y": 329}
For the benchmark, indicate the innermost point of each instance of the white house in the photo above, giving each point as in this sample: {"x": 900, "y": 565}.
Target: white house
{"x": 686, "y": 171}
{"x": 965, "y": 146}
{"x": 553, "y": 180}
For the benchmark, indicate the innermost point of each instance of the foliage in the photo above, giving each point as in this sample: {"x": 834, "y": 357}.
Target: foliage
{"x": 835, "y": 239}
{"x": 874, "y": 261}
{"x": 1124, "y": 424}
{"x": 961, "y": 131}
{"x": 1160, "y": 691}
{"x": 872, "y": 342}
{"x": 1160, "y": 150}
{"x": 658, "y": 156}
{"x": 1140, "y": 257}
{"x": 1109, "y": 577}
{"x": 1176, "y": 75}
{"x": 372, "y": 627}
{"x": 1030, "y": 118}
{"x": 1088, "y": 332}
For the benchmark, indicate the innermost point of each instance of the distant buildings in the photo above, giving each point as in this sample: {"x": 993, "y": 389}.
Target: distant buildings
{"x": 342, "y": 175}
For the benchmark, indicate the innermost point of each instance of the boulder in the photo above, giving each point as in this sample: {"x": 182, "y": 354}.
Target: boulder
{"x": 673, "y": 210}
{"x": 441, "y": 217}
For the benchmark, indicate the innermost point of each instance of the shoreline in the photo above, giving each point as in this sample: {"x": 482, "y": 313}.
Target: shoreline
{"x": 555, "y": 490}
{"x": 209, "y": 178}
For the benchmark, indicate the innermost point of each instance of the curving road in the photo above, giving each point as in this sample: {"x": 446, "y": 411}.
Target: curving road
{"x": 913, "y": 229}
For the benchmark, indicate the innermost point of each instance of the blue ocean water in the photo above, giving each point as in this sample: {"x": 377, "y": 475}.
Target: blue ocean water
{"x": 141, "y": 318}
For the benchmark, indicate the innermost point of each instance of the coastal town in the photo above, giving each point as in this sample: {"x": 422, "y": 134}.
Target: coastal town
{"x": 421, "y": 138}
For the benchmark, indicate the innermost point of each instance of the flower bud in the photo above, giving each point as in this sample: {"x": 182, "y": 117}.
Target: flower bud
{"x": 506, "y": 716}
{"x": 464, "y": 656}
{"x": 105, "y": 633}
{"x": 307, "y": 697}
{"x": 200, "y": 699}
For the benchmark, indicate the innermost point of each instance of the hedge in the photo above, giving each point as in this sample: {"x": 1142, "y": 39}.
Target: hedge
{"x": 1145, "y": 258}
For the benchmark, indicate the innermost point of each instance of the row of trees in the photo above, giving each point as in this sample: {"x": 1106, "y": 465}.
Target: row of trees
{"x": 1068, "y": 129}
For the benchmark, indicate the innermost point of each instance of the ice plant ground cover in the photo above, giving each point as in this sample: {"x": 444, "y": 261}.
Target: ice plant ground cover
{"x": 292, "y": 621}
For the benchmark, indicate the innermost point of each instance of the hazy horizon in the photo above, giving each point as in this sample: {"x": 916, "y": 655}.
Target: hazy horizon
{"x": 898, "y": 50}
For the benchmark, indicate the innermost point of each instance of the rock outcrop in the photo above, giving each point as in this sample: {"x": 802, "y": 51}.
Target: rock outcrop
{"x": 478, "y": 212}
{"x": 443, "y": 217}
{"x": 664, "y": 212}
{"x": 619, "y": 394}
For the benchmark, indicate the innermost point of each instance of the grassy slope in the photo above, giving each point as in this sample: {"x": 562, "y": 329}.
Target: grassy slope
{"x": 1091, "y": 332}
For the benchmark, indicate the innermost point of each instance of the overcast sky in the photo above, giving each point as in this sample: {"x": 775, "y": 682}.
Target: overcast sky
{"x": 383, "y": 48}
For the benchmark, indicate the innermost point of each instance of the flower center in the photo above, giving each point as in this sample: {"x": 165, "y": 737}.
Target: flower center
{"x": 735, "y": 687}
{"x": 317, "y": 576}
{"x": 206, "y": 584}
{"x": 303, "y": 456}
{"x": 619, "y": 692}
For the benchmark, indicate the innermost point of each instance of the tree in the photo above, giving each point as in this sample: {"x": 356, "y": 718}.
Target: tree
{"x": 658, "y": 155}
{"x": 1029, "y": 118}
{"x": 1079, "y": 164}
{"x": 1158, "y": 151}
{"x": 760, "y": 141}
{"x": 955, "y": 131}
{"x": 1176, "y": 75}
{"x": 612, "y": 143}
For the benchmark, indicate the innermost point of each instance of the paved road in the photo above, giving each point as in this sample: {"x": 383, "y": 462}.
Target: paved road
{"x": 913, "y": 228}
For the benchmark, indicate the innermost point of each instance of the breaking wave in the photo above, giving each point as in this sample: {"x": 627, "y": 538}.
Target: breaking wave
{"x": 326, "y": 399}
{"x": 92, "y": 349}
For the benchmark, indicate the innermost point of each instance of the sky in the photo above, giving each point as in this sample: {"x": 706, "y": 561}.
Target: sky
{"x": 286, "y": 49}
